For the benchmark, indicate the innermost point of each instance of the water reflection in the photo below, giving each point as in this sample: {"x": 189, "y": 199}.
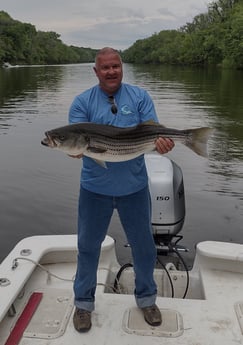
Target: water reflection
{"x": 19, "y": 89}
{"x": 18, "y": 82}
{"x": 214, "y": 94}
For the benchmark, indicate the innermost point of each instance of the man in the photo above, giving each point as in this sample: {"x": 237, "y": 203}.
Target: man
{"x": 123, "y": 185}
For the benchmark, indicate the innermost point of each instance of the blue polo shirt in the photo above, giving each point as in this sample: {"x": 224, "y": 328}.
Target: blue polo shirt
{"x": 134, "y": 106}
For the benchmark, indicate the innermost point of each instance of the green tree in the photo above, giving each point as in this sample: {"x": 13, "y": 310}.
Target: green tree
{"x": 20, "y": 43}
{"x": 212, "y": 38}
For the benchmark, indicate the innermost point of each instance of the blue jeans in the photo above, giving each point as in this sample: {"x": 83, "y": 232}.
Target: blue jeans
{"x": 95, "y": 211}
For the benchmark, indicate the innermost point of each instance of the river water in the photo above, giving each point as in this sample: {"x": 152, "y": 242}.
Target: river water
{"x": 39, "y": 187}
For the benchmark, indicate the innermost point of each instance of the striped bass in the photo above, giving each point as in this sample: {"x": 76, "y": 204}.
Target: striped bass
{"x": 115, "y": 144}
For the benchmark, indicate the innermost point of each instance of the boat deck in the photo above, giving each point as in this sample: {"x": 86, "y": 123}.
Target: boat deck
{"x": 212, "y": 315}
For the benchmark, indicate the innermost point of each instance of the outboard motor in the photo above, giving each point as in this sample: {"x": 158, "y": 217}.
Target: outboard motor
{"x": 168, "y": 202}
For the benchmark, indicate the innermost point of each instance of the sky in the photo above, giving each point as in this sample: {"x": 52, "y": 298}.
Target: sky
{"x": 100, "y": 23}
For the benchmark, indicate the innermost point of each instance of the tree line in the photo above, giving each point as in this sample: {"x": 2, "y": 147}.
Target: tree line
{"x": 212, "y": 38}
{"x": 21, "y": 43}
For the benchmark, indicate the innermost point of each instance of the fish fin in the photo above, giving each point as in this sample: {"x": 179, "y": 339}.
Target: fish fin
{"x": 101, "y": 163}
{"x": 150, "y": 122}
{"x": 94, "y": 149}
{"x": 197, "y": 140}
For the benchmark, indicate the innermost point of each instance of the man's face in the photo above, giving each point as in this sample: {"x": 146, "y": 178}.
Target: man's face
{"x": 108, "y": 70}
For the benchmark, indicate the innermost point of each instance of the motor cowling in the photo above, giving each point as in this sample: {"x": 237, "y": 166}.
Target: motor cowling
{"x": 167, "y": 196}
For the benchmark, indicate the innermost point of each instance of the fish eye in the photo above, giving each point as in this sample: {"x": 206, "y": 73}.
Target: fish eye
{"x": 61, "y": 137}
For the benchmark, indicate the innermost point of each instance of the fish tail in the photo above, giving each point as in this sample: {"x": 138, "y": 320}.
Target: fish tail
{"x": 197, "y": 140}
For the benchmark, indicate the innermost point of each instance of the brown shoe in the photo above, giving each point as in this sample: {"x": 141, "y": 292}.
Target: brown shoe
{"x": 82, "y": 320}
{"x": 152, "y": 315}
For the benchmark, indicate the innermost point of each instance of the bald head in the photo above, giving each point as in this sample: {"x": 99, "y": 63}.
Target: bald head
{"x": 106, "y": 51}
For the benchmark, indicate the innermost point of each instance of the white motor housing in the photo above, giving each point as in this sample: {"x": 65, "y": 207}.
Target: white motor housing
{"x": 167, "y": 195}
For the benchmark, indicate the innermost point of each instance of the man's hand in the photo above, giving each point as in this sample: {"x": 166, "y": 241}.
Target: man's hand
{"x": 164, "y": 145}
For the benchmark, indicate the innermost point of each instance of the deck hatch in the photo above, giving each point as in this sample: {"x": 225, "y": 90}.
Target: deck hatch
{"x": 172, "y": 325}
{"x": 52, "y": 315}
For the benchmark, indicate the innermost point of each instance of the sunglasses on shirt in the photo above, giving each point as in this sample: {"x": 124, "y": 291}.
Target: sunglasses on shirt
{"x": 114, "y": 109}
